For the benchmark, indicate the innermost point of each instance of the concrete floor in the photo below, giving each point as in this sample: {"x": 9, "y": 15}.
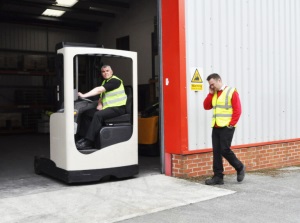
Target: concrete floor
{"x": 266, "y": 197}
{"x": 27, "y": 197}
{"x": 17, "y": 175}
{"x": 263, "y": 197}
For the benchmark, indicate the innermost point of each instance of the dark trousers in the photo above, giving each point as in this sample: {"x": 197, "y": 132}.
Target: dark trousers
{"x": 221, "y": 140}
{"x": 92, "y": 121}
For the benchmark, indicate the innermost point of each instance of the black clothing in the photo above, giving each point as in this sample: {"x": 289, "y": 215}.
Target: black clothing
{"x": 111, "y": 84}
{"x": 221, "y": 140}
{"x": 92, "y": 121}
{"x": 84, "y": 144}
{"x": 214, "y": 181}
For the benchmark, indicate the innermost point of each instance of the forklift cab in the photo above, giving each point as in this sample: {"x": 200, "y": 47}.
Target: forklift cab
{"x": 114, "y": 130}
{"x": 116, "y": 147}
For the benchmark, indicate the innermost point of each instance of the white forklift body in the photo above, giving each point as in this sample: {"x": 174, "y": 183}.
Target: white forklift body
{"x": 66, "y": 162}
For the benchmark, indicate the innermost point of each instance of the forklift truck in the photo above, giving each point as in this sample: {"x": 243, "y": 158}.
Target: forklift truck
{"x": 116, "y": 147}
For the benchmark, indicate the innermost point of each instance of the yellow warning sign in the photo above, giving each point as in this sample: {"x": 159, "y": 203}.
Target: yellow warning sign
{"x": 197, "y": 78}
{"x": 196, "y": 87}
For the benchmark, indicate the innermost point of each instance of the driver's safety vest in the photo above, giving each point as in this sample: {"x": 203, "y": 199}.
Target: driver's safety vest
{"x": 114, "y": 98}
{"x": 222, "y": 107}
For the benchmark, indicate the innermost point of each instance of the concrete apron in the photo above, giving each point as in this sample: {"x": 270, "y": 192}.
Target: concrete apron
{"x": 106, "y": 202}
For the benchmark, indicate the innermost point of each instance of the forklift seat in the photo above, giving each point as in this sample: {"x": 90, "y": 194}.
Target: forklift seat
{"x": 117, "y": 129}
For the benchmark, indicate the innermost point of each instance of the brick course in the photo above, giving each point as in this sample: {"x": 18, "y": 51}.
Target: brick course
{"x": 256, "y": 158}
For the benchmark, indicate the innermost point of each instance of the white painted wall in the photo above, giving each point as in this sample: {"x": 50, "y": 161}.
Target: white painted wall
{"x": 255, "y": 47}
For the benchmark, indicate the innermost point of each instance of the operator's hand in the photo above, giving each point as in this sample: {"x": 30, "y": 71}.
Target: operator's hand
{"x": 211, "y": 90}
{"x": 80, "y": 94}
{"x": 99, "y": 107}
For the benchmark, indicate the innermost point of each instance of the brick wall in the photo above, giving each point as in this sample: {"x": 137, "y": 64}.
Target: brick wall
{"x": 255, "y": 158}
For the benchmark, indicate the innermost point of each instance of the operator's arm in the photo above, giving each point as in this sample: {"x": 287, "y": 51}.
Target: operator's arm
{"x": 93, "y": 92}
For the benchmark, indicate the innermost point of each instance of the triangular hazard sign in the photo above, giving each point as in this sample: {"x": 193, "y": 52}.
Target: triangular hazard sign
{"x": 197, "y": 78}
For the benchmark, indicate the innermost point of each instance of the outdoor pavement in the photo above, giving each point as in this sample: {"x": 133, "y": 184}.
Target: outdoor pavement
{"x": 263, "y": 197}
{"x": 270, "y": 196}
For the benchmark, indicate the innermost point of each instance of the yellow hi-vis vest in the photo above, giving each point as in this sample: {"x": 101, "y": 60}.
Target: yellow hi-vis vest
{"x": 114, "y": 98}
{"x": 222, "y": 107}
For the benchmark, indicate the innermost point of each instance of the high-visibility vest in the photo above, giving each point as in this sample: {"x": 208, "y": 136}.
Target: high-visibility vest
{"x": 222, "y": 107}
{"x": 114, "y": 98}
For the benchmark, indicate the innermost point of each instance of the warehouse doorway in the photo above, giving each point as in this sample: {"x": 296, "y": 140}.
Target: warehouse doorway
{"x": 35, "y": 41}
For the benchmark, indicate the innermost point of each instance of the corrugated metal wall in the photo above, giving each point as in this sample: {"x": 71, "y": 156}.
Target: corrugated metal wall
{"x": 19, "y": 40}
{"x": 18, "y": 37}
{"x": 254, "y": 45}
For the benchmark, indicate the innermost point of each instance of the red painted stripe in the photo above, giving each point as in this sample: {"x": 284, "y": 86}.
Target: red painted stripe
{"x": 168, "y": 164}
{"x": 174, "y": 72}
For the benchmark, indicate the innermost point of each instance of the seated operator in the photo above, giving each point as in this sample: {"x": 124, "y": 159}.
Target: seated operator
{"x": 111, "y": 103}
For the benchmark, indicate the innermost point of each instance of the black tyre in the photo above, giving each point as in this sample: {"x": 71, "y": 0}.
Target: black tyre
{"x": 37, "y": 166}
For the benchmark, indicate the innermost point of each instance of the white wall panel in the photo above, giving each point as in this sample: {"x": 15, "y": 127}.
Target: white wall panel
{"x": 254, "y": 46}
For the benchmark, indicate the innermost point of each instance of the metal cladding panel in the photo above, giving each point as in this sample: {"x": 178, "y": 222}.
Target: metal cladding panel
{"x": 254, "y": 46}
{"x": 17, "y": 37}
{"x": 43, "y": 39}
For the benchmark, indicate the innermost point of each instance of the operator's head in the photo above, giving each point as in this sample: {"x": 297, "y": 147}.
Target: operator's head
{"x": 215, "y": 81}
{"x": 106, "y": 71}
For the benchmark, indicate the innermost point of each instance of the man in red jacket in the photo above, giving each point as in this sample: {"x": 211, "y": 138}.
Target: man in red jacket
{"x": 227, "y": 110}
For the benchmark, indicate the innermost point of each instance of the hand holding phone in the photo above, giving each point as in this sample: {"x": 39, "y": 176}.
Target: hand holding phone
{"x": 211, "y": 89}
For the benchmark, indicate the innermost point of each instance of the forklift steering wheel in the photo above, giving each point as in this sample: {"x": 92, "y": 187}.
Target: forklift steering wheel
{"x": 85, "y": 99}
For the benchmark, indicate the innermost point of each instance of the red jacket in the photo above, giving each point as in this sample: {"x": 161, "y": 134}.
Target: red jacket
{"x": 236, "y": 106}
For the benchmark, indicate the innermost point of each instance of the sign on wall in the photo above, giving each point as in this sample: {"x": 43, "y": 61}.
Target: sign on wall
{"x": 196, "y": 80}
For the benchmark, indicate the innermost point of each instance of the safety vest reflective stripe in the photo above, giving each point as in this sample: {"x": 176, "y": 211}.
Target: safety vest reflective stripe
{"x": 105, "y": 103}
{"x": 226, "y": 101}
{"x": 113, "y": 93}
{"x": 227, "y": 96}
{"x": 114, "y": 98}
{"x": 222, "y": 115}
{"x": 222, "y": 108}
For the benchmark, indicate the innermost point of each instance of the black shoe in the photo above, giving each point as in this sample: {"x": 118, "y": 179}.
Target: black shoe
{"x": 214, "y": 180}
{"x": 84, "y": 144}
{"x": 80, "y": 141}
{"x": 241, "y": 174}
